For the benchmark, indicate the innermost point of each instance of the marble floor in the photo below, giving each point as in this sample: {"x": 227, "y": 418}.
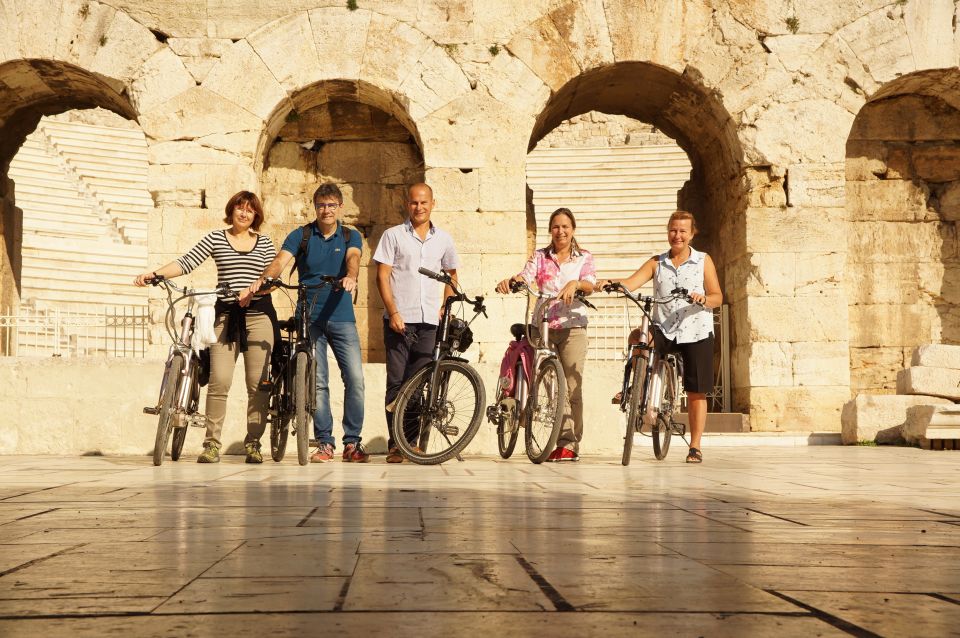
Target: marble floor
{"x": 771, "y": 541}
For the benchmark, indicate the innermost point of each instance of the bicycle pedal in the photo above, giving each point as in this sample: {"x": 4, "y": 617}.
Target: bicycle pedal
{"x": 153, "y": 411}
{"x": 197, "y": 420}
{"x": 450, "y": 430}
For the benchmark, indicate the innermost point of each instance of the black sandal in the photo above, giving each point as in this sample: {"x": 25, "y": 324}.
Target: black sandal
{"x": 694, "y": 456}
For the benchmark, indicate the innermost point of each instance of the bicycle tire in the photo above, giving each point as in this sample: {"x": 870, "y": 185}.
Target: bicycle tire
{"x": 459, "y": 410}
{"x": 279, "y": 418}
{"x": 302, "y": 418}
{"x": 546, "y": 410}
{"x": 661, "y": 428}
{"x": 180, "y": 433}
{"x": 168, "y": 398}
{"x": 509, "y": 432}
{"x": 635, "y": 411}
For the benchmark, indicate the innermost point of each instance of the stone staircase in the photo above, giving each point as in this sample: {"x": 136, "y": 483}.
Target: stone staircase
{"x": 924, "y": 411}
{"x": 82, "y": 189}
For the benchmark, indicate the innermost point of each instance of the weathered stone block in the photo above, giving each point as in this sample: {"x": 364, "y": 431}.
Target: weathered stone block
{"x": 880, "y": 283}
{"x": 881, "y": 44}
{"x": 160, "y": 78}
{"x": 884, "y": 241}
{"x": 583, "y": 27}
{"x": 243, "y": 78}
{"x": 939, "y": 382}
{"x": 436, "y": 80}
{"x": 940, "y": 163}
{"x": 924, "y": 422}
{"x": 803, "y": 409}
{"x": 779, "y": 319}
{"x": 801, "y": 230}
{"x": 197, "y": 112}
{"x": 821, "y": 363}
{"x": 886, "y": 325}
{"x": 874, "y": 370}
{"x": 288, "y": 49}
{"x": 542, "y": 48}
{"x": 123, "y": 49}
{"x": 199, "y": 55}
{"x": 816, "y": 185}
{"x": 397, "y": 49}
{"x": 936, "y": 356}
{"x": 887, "y": 200}
{"x": 863, "y": 417}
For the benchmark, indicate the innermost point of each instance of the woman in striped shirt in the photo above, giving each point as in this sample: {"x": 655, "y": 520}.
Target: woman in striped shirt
{"x": 247, "y": 326}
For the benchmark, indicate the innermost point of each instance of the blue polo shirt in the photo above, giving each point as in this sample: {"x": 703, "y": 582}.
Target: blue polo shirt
{"x": 325, "y": 257}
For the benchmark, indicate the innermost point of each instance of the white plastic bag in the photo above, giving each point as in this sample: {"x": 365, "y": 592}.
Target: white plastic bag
{"x": 204, "y": 333}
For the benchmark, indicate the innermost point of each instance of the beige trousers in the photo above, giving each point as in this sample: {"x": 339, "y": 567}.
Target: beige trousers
{"x": 571, "y": 345}
{"x": 256, "y": 363}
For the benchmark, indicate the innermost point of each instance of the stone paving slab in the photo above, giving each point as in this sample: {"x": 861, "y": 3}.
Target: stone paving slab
{"x": 771, "y": 541}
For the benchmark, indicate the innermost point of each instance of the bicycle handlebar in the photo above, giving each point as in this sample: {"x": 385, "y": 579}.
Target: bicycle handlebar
{"x": 520, "y": 284}
{"x": 325, "y": 280}
{"x": 676, "y": 293}
{"x": 223, "y": 289}
{"x": 445, "y": 278}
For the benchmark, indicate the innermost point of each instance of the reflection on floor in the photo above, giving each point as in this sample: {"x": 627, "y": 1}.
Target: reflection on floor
{"x": 768, "y": 541}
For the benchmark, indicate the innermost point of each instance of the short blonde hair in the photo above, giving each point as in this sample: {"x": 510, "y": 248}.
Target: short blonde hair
{"x": 680, "y": 215}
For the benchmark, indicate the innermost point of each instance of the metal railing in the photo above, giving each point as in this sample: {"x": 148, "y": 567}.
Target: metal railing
{"x": 610, "y": 326}
{"x": 57, "y": 332}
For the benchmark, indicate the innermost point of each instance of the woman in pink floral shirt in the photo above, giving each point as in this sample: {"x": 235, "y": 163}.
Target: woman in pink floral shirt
{"x": 561, "y": 269}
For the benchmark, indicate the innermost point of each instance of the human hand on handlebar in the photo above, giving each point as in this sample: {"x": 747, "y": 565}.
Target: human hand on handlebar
{"x": 697, "y": 298}
{"x": 568, "y": 292}
{"x": 504, "y": 286}
{"x": 144, "y": 278}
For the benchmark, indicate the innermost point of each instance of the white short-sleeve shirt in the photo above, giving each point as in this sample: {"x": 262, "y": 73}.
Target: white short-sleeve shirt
{"x": 417, "y": 297}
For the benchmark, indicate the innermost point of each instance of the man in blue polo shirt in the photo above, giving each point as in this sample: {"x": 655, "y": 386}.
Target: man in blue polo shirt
{"x": 330, "y": 250}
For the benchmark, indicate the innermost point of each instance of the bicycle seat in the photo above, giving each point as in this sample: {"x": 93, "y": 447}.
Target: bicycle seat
{"x": 290, "y": 325}
{"x": 518, "y": 331}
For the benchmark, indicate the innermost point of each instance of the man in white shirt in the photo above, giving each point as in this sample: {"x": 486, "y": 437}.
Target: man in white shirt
{"x": 411, "y": 301}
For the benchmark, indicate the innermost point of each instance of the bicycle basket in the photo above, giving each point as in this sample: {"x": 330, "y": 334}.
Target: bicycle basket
{"x": 460, "y": 335}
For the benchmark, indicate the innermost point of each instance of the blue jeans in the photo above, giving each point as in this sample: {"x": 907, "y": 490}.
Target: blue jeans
{"x": 345, "y": 342}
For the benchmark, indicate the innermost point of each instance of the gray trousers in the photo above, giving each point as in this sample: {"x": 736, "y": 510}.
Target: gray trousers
{"x": 571, "y": 346}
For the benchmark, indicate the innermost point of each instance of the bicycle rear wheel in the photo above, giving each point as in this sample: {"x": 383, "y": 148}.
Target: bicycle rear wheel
{"x": 448, "y": 425}
{"x": 302, "y": 419}
{"x": 279, "y": 418}
{"x": 662, "y": 428}
{"x": 545, "y": 410}
{"x": 168, "y": 400}
{"x": 635, "y": 411}
{"x": 508, "y": 431}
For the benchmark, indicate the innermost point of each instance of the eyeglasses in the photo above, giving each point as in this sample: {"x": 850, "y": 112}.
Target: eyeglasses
{"x": 321, "y": 206}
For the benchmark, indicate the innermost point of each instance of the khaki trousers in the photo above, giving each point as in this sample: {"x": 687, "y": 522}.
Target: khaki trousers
{"x": 571, "y": 345}
{"x": 256, "y": 363}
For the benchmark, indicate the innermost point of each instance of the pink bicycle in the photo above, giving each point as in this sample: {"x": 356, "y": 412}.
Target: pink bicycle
{"x": 532, "y": 389}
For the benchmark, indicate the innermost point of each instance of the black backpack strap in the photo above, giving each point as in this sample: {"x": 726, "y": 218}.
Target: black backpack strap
{"x": 302, "y": 251}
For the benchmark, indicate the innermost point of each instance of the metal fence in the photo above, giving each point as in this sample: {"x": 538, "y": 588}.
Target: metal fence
{"x": 56, "y": 332}
{"x": 611, "y": 323}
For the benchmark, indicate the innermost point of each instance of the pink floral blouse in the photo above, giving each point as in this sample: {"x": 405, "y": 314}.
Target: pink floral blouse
{"x": 550, "y": 277}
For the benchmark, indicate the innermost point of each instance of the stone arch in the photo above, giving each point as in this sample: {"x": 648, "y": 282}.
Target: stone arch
{"x": 30, "y": 89}
{"x": 358, "y": 136}
{"x": 680, "y": 106}
{"x": 903, "y": 205}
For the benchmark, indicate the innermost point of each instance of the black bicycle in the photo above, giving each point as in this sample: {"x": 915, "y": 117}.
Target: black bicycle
{"x": 438, "y": 410}
{"x": 293, "y": 397}
{"x": 180, "y": 389}
{"x": 650, "y": 394}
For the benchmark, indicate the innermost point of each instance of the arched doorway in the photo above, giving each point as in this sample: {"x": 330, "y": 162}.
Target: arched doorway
{"x": 78, "y": 227}
{"x": 903, "y": 204}
{"x": 359, "y": 137}
{"x": 681, "y": 108}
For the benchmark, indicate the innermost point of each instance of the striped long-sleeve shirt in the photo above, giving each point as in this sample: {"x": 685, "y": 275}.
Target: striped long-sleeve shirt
{"x": 239, "y": 269}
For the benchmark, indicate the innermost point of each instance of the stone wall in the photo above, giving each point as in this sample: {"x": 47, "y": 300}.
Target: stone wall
{"x": 603, "y": 129}
{"x": 903, "y": 203}
{"x": 761, "y": 95}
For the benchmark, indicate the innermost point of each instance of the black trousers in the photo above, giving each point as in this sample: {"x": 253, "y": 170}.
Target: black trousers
{"x": 406, "y": 353}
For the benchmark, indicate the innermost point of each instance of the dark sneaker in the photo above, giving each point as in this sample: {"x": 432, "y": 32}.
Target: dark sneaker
{"x": 395, "y": 456}
{"x": 210, "y": 454}
{"x": 324, "y": 453}
{"x": 354, "y": 453}
{"x": 253, "y": 452}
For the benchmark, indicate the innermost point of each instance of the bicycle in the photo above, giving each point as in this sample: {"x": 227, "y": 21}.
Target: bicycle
{"x": 441, "y": 404}
{"x": 651, "y": 383}
{"x": 538, "y": 412}
{"x": 180, "y": 388}
{"x": 292, "y": 397}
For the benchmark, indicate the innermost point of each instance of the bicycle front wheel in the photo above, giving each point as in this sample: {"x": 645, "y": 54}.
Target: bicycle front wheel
{"x": 442, "y": 428}
{"x": 508, "y": 431}
{"x": 180, "y": 433}
{"x": 635, "y": 412}
{"x": 168, "y": 405}
{"x": 301, "y": 416}
{"x": 279, "y": 418}
{"x": 662, "y": 427}
{"x": 545, "y": 410}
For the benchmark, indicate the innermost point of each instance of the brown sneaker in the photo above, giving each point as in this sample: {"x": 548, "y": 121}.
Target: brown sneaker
{"x": 354, "y": 453}
{"x": 395, "y": 456}
{"x": 324, "y": 453}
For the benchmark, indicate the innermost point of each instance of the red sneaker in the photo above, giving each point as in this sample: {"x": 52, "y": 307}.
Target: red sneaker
{"x": 324, "y": 453}
{"x": 567, "y": 455}
{"x": 555, "y": 455}
{"x": 354, "y": 453}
